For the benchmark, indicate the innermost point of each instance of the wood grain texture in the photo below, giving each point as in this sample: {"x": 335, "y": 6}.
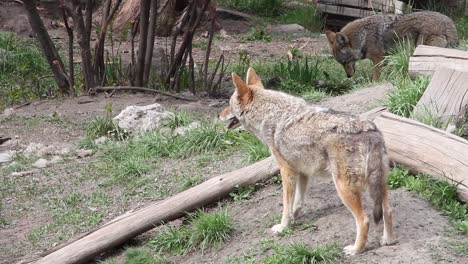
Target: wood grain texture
{"x": 426, "y": 60}
{"x": 426, "y": 149}
{"x": 445, "y": 97}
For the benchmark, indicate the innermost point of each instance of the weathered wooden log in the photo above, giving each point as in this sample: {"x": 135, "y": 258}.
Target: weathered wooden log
{"x": 426, "y": 60}
{"x": 445, "y": 98}
{"x": 118, "y": 231}
{"x": 425, "y": 149}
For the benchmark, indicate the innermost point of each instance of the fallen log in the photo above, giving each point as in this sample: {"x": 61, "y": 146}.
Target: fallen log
{"x": 118, "y": 231}
{"x": 445, "y": 98}
{"x": 425, "y": 149}
{"x": 426, "y": 59}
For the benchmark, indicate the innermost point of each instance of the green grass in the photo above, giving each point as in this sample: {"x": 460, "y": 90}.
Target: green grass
{"x": 180, "y": 119}
{"x": 307, "y": 16}
{"x": 243, "y": 193}
{"x": 301, "y": 253}
{"x": 142, "y": 256}
{"x": 257, "y": 35}
{"x": 251, "y": 146}
{"x": 395, "y": 64}
{"x": 202, "y": 231}
{"x": 24, "y": 71}
{"x": 312, "y": 77}
{"x": 405, "y": 96}
{"x": 189, "y": 182}
{"x": 461, "y": 23}
{"x": 268, "y": 8}
{"x": 441, "y": 194}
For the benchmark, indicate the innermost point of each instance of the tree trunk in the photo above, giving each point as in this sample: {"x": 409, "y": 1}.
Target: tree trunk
{"x": 84, "y": 42}
{"x": 125, "y": 227}
{"x": 144, "y": 21}
{"x": 150, "y": 40}
{"x": 48, "y": 47}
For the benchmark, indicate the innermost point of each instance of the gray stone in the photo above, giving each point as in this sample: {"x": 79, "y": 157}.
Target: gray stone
{"x": 56, "y": 159}
{"x": 101, "y": 140}
{"x": 41, "y": 163}
{"x": 289, "y": 28}
{"x": 7, "y": 156}
{"x": 180, "y": 131}
{"x": 143, "y": 118}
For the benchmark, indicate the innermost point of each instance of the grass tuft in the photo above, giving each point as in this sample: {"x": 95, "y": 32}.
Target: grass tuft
{"x": 203, "y": 230}
{"x": 441, "y": 194}
{"x": 405, "y": 96}
{"x": 301, "y": 253}
{"x": 257, "y": 35}
{"x": 142, "y": 256}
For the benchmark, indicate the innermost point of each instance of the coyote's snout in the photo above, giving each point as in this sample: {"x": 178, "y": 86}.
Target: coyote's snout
{"x": 308, "y": 140}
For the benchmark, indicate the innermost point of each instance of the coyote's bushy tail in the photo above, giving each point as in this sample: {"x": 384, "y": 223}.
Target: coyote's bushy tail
{"x": 377, "y": 180}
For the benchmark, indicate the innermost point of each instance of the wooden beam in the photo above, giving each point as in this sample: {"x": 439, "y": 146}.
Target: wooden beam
{"x": 425, "y": 149}
{"x": 445, "y": 97}
{"x": 426, "y": 60}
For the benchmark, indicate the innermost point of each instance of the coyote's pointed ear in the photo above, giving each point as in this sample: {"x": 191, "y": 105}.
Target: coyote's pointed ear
{"x": 243, "y": 91}
{"x": 331, "y": 36}
{"x": 341, "y": 39}
{"x": 252, "y": 78}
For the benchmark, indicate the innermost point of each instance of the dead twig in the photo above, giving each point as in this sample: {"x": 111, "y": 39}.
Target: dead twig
{"x": 142, "y": 89}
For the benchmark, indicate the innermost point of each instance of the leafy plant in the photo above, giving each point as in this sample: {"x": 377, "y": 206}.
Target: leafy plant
{"x": 257, "y": 35}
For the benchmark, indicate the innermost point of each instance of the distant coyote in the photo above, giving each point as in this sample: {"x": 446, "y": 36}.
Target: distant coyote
{"x": 373, "y": 36}
{"x": 307, "y": 141}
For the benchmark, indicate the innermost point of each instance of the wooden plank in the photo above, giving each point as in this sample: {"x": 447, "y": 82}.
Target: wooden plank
{"x": 357, "y": 3}
{"x": 445, "y": 97}
{"x": 425, "y": 149}
{"x": 117, "y": 232}
{"x": 345, "y": 11}
{"x": 430, "y": 51}
{"x": 426, "y": 60}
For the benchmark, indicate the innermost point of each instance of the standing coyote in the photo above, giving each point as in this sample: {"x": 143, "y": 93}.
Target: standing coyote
{"x": 308, "y": 140}
{"x": 373, "y": 36}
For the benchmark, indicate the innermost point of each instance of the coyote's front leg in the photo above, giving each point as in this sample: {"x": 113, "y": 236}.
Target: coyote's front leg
{"x": 289, "y": 178}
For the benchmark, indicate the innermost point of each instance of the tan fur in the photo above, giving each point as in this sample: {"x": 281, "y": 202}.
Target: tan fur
{"x": 372, "y": 37}
{"x": 308, "y": 140}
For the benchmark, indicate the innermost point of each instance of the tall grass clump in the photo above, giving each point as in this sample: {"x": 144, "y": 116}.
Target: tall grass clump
{"x": 301, "y": 253}
{"x": 440, "y": 193}
{"x": 396, "y": 63}
{"x": 142, "y": 256}
{"x": 407, "y": 92}
{"x": 24, "y": 71}
{"x": 307, "y": 16}
{"x": 202, "y": 231}
{"x": 405, "y": 96}
{"x": 461, "y": 23}
{"x": 268, "y": 8}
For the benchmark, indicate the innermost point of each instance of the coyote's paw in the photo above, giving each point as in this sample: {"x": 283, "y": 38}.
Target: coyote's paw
{"x": 350, "y": 250}
{"x": 297, "y": 212}
{"x": 384, "y": 241}
{"x": 277, "y": 228}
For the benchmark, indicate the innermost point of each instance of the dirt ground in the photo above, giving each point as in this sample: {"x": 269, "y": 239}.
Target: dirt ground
{"x": 424, "y": 234}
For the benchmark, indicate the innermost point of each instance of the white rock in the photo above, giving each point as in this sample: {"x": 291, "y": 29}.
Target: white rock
{"x": 56, "y": 159}
{"x": 32, "y": 149}
{"x": 8, "y": 112}
{"x": 180, "y": 131}
{"x": 143, "y": 118}
{"x": 289, "y": 28}
{"x": 23, "y": 173}
{"x": 7, "y": 156}
{"x": 41, "y": 163}
{"x": 101, "y": 140}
